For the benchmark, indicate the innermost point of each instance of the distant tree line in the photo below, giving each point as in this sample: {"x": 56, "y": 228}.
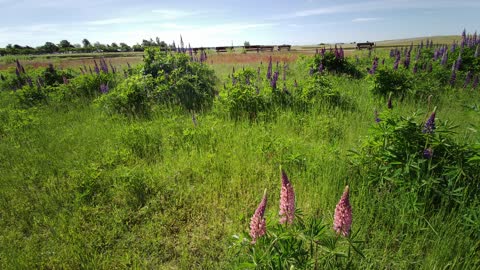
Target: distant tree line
{"x": 64, "y": 46}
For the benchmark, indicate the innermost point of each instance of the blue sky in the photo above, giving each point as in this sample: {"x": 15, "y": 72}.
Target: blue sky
{"x": 216, "y": 23}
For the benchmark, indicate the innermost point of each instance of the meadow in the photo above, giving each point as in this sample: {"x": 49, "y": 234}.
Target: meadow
{"x": 162, "y": 164}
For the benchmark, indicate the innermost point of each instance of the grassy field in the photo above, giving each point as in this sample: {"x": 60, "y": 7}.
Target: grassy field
{"x": 84, "y": 189}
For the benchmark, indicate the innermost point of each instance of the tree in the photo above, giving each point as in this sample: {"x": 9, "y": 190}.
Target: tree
{"x": 246, "y": 43}
{"x": 86, "y": 43}
{"x": 125, "y": 47}
{"x": 114, "y": 45}
{"x": 50, "y": 47}
{"x": 65, "y": 44}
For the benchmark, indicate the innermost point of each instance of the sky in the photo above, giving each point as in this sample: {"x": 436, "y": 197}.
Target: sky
{"x": 222, "y": 23}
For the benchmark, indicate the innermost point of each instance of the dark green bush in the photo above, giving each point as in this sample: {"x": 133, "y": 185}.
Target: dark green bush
{"x": 334, "y": 64}
{"x": 181, "y": 81}
{"x": 393, "y": 159}
{"x": 398, "y": 82}
{"x": 131, "y": 97}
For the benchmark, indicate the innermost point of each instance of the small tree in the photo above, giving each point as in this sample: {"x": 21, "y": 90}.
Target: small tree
{"x": 86, "y": 43}
{"x": 246, "y": 43}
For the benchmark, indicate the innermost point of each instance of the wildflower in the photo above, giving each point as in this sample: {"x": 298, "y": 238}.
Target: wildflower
{"x": 428, "y": 153}
{"x": 458, "y": 62}
{"x": 258, "y": 225}
{"x": 287, "y": 201}
{"x": 467, "y": 79}
{"x": 429, "y": 127}
{"x": 104, "y": 88}
{"x": 444, "y": 58}
{"x": 377, "y": 119}
{"x": 342, "y": 221}
{"x": 475, "y": 82}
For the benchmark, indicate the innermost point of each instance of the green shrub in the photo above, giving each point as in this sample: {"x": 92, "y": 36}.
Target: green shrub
{"x": 334, "y": 64}
{"x": 398, "y": 82}
{"x": 89, "y": 85}
{"x": 399, "y": 155}
{"x": 182, "y": 81}
{"x": 316, "y": 90}
{"x": 131, "y": 97}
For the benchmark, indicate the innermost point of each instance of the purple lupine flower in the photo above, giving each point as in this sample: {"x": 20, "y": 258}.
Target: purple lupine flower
{"x": 258, "y": 225}
{"x": 97, "y": 70}
{"x": 320, "y": 68}
{"x": 104, "y": 88}
{"x": 342, "y": 220}
{"x": 444, "y": 58}
{"x": 475, "y": 82}
{"x": 419, "y": 52}
{"x": 311, "y": 71}
{"x": 287, "y": 201}
{"x": 406, "y": 62}
{"x": 29, "y": 81}
{"x": 374, "y": 66}
{"x": 428, "y": 153}
{"x": 458, "y": 62}
{"x": 397, "y": 61}
{"x": 454, "y": 47}
{"x": 17, "y": 72}
{"x": 247, "y": 81}
{"x": 269, "y": 69}
{"x": 415, "y": 69}
{"x": 468, "y": 78}
{"x": 429, "y": 127}
{"x": 453, "y": 77}
{"x": 392, "y": 53}
{"x": 377, "y": 119}
{"x": 273, "y": 82}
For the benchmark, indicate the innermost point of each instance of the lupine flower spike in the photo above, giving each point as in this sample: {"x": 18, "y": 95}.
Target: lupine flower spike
{"x": 389, "y": 103}
{"x": 428, "y": 153}
{"x": 429, "y": 127}
{"x": 287, "y": 201}
{"x": 342, "y": 221}
{"x": 258, "y": 226}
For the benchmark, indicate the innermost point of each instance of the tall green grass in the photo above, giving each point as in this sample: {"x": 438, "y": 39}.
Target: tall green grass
{"x": 82, "y": 189}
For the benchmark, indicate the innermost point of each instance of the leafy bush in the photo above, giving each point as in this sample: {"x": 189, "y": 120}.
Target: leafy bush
{"x": 182, "y": 81}
{"x": 403, "y": 155}
{"x": 316, "y": 90}
{"x": 333, "y": 63}
{"x": 131, "y": 97}
{"x": 398, "y": 82}
{"x": 90, "y": 85}
{"x": 244, "y": 100}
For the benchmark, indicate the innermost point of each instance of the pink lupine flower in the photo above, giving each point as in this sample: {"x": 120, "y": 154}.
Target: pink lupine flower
{"x": 258, "y": 226}
{"x": 287, "y": 201}
{"x": 343, "y": 215}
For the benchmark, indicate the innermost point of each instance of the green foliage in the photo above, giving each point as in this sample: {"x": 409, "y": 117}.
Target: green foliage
{"x": 317, "y": 90}
{"x": 306, "y": 244}
{"x": 335, "y": 64}
{"x": 392, "y": 159}
{"x": 131, "y": 97}
{"x": 245, "y": 99}
{"x": 182, "y": 81}
{"x": 398, "y": 82}
{"x": 29, "y": 96}
{"x": 88, "y": 85}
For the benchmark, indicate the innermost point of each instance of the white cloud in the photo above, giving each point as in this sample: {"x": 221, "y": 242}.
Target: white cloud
{"x": 172, "y": 14}
{"x": 366, "y": 19}
{"x": 380, "y": 5}
{"x": 112, "y": 21}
